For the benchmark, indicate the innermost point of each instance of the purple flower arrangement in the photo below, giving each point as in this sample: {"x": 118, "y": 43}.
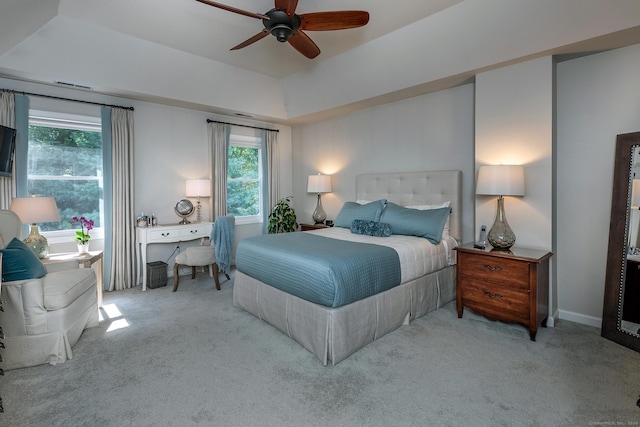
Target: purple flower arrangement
{"x": 83, "y": 237}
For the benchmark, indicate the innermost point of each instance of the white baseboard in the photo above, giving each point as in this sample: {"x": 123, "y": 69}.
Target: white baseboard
{"x": 580, "y": 318}
{"x": 552, "y": 319}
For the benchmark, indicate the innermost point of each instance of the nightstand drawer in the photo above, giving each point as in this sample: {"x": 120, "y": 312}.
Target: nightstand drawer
{"x": 482, "y": 267}
{"x": 494, "y": 301}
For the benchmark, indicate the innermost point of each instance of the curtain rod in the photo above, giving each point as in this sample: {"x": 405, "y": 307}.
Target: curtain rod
{"x": 65, "y": 99}
{"x": 246, "y": 126}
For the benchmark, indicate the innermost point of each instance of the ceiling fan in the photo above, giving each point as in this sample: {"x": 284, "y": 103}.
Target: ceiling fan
{"x": 287, "y": 26}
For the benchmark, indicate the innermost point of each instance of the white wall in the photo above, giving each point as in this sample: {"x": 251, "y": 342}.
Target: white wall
{"x": 170, "y": 146}
{"x": 429, "y": 132}
{"x": 598, "y": 98}
{"x": 514, "y": 125}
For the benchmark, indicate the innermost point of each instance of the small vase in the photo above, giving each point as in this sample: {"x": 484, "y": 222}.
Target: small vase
{"x": 83, "y": 249}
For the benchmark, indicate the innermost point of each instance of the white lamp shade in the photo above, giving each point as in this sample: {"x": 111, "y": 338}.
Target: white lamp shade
{"x": 319, "y": 184}
{"x": 32, "y": 210}
{"x": 501, "y": 180}
{"x": 198, "y": 188}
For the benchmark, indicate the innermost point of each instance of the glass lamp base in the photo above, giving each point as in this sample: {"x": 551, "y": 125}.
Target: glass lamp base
{"x": 319, "y": 215}
{"x": 501, "y": 237}
{"x": 37, "y": 242}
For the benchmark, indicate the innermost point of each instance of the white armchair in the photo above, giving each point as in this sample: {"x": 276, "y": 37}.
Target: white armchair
{"x": 44, "y": 317}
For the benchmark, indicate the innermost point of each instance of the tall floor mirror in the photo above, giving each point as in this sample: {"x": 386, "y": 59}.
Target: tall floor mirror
{"x": 621, "y": 314}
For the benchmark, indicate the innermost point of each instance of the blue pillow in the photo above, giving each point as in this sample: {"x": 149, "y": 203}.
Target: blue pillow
{"x": 413, "y": 222}
{"x": 352, "y": 210}
{"x": 20, "y": 263}
{"x": 370, "y": 228}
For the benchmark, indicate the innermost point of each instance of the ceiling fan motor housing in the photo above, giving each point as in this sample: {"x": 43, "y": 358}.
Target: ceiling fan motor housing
{"x": 281, "y": 25}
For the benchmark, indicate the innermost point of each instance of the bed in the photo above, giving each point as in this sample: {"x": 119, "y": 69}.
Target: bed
{"x": 333, "y": 333}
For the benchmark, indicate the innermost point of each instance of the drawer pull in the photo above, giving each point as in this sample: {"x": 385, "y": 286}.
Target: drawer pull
{"x": 193, "y": 231}
{"x": 166, "y": 234}
{"x": 490, "y": 295}
{"x": 497, "y": 268}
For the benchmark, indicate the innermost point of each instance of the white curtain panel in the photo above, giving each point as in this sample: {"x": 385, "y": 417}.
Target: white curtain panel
{"x": 7, "y": 118}
{"x": 123, "y": 274}
{"x": 218, "y": 149}
{"x": 273, "y": 166}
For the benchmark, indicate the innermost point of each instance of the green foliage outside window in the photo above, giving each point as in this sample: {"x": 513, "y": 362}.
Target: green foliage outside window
{"x": 58, "y": 160}
{"x": 243, "y": 184}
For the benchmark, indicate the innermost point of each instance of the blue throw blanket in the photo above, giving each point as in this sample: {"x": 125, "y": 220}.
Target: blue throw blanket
{"x": 319, "y": 269}
{"x": 222, "y": 238}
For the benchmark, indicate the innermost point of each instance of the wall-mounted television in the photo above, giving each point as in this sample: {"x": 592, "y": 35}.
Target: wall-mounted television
{"x": 7, "y": 148}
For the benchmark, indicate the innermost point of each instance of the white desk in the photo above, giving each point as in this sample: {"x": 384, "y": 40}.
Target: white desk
{"x": 166, "y": 234}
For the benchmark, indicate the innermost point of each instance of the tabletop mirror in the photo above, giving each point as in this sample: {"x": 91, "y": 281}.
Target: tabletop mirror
{"x": 621, "y": 313}
{"x": 184, "y": 208}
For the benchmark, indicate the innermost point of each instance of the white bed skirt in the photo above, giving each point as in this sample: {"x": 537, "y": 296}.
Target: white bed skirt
{"x": 333, "y": 334}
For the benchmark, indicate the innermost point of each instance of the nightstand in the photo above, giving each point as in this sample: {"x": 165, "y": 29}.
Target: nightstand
{"x": 510, "y": 286}
{"x": 307, "y": 227}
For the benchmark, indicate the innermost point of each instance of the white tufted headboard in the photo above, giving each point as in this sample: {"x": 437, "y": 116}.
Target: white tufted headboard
{"x": 416, "y": 188}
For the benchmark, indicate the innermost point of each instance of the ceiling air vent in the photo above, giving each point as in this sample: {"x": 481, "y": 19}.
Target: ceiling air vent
{"x": 73, "y": 85}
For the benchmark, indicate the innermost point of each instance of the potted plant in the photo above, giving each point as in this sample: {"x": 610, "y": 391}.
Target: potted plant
{"x": 282, "y": 218}
{"x": 82, "y": 237}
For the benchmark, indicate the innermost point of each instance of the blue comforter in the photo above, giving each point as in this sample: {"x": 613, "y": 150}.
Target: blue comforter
{"x": 319, "y": 269}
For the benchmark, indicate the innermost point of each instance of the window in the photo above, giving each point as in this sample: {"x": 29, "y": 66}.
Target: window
{"x": 244, "y": 179}
{"x": 64, "y": 161}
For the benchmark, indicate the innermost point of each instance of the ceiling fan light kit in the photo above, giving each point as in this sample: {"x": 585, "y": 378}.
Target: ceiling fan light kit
{"x": 280, "y": 25}
{"x": 286, "y": 26}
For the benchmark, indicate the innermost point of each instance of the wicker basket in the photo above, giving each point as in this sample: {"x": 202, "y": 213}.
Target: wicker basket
{"x": 156, "y": 274}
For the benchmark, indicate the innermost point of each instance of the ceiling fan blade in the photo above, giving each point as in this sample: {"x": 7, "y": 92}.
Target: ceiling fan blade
{"x": 288, "y": 6}
{"x": 234, "y": 9}
{"x": 338, "y": 20}
{"x": 303, "y": 44}
{"x": 262, "y": 34}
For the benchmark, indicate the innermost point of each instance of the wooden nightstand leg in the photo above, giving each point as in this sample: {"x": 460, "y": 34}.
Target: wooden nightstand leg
{"x": 532, "y": 334}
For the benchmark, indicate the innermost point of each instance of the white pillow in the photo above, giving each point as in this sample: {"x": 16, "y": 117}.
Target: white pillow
{"x": 445, "y": 231}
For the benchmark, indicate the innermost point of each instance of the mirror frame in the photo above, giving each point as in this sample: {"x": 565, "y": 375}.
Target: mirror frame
{"x": 617, "y": 254}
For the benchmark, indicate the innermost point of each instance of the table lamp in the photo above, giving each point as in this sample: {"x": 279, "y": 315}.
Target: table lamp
{"x": 501, "y": 180}
{"x": 198, "y": 188}
{"x": 319, "y": 184}
{"x": 32, "y": 210}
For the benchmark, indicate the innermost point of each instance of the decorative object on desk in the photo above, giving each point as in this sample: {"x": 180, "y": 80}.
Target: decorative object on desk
{"x": 319, "y": 184}
{"x": 184, "y": 208}
{"x": 282, "y": 218}
{"x": 142, "y": 220}
{"x": 198, "y": 188}
{"x": 33, "y": 210}
{"x": 501, "y": 180}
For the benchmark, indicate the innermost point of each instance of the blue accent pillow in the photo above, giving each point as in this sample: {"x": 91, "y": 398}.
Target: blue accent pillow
{"x": 370, "y": 228}
{"x": 20, "y": 263}
{"x": 412, "y": 222}
{"x": 352, "y": 210}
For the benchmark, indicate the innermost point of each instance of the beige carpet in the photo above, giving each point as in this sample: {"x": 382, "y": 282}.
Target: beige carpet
{"x": 189, "y": 358}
